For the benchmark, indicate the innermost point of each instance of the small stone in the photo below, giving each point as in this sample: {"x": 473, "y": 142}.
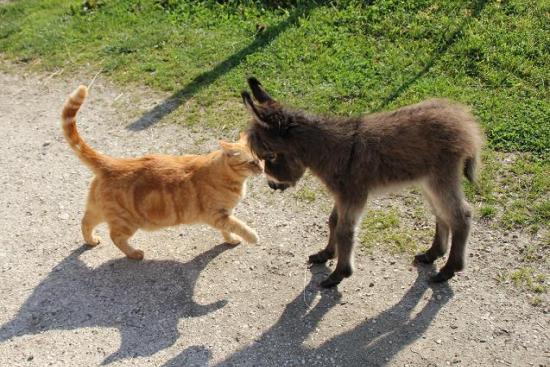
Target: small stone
{"x": 438, "y": 297}
{"x": 46, "y": 144}
{"x": 63, "y": 216}
{"x": 438, "y": 341}
{"x": 371, "y": 285}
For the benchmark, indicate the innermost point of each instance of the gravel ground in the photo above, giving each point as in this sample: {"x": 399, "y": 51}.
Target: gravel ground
{"x": 194, "y": 302}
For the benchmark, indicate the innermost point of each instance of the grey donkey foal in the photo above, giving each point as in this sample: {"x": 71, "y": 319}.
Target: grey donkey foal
{"x": 433, "y": 143}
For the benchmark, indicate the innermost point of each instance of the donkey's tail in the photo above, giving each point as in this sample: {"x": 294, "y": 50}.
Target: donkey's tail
{"x": 470, "y": 165}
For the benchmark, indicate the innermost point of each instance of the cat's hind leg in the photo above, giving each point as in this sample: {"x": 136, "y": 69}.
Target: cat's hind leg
{"x": 91, "y": 219}
{"x": 92, "y": 215}
{"x": 120, "y": 234}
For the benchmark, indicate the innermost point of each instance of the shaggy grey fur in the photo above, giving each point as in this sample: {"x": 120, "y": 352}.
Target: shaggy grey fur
{"x": 432, "y": 143}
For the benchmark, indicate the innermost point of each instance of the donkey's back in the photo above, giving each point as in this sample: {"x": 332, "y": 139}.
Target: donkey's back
{"x": 419, "y": 140}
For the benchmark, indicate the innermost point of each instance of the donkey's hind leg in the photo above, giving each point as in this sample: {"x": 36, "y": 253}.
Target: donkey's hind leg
{"x": 460, "y": 228}
{"x": 440, "y": 242}
{"x": 439, "y": 246}
{"x": 449, "y": 201}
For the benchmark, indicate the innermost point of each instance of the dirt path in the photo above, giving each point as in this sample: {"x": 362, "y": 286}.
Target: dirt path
{"x": 193, "y": 302}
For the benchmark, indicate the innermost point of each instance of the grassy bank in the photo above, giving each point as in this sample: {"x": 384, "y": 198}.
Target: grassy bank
{"x": 343, "y": 56}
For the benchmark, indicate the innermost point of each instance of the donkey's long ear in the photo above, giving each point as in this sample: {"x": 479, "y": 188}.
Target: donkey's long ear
{"x": 249, "y": 103}
{"x": 258, "y": 91}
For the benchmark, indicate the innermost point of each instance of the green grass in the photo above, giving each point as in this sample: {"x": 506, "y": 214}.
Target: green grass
{"x": 384, "y": 228}
{"x": 487, "y": 211}
{"x": 346, "y": 56}
{"x": 536, "y": 301}
{"x": 305, "y": 194}
{"x": 527, "y": 279}
{"x": 513, "y": 191}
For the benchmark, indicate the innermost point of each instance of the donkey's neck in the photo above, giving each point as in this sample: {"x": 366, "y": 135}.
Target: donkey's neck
{"x": 325, "y": 144}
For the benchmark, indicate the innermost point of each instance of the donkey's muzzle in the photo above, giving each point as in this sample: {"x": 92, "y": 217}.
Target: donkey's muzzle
{"x": 278, "y": 185}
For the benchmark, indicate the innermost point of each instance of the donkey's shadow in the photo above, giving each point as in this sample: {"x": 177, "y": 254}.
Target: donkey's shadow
{"x": 144, "y": 300}
{"x": 373, "y": 342}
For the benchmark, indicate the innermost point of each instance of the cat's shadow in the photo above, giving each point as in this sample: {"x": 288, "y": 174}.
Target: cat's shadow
{"x": 144, "y": 300}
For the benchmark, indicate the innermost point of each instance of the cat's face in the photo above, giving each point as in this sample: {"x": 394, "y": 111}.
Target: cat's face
{"x": 240, "y": 158}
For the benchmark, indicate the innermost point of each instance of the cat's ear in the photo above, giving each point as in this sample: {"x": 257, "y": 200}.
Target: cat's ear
{"x": 229, "y": 149}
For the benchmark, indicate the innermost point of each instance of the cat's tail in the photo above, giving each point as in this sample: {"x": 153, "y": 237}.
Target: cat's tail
{"x": 96, "y": 161}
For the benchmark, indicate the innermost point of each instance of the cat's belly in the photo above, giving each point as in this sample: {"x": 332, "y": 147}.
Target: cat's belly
{"x": 157, "y": 210}
{"x": 154, "y": 223}
{"x": 159, "y": 223}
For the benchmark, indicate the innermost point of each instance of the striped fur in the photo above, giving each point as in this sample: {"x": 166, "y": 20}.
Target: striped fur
{"x": 156, "y": 191}
{"x": 97, "y": 162}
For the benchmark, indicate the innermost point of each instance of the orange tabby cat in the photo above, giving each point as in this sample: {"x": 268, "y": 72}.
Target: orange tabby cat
{"x": 160, "y": 190}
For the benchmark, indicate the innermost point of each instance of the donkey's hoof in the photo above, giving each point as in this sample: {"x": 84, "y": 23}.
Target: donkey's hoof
{"x": 320, "y": 258}
{"x": 335, "y": 278}
{"x": 423, "y": 258}
{"x": 442, "y": 276}
{"x": 330, "y": 282}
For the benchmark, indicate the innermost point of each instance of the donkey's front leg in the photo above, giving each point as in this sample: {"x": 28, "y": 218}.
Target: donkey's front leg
{"x": 329, "y": 252}
{"x": 348, "y": 216}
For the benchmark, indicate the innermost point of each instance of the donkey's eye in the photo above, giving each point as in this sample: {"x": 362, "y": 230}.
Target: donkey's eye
{"x": 270, "y": 157}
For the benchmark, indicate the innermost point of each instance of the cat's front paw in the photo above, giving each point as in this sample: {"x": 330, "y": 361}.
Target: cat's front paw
{"x": 135, "y": 255}
{"x": 94, "y": 241}
{"x": 252, "y": 238}
{"x": 233, "y": 239}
